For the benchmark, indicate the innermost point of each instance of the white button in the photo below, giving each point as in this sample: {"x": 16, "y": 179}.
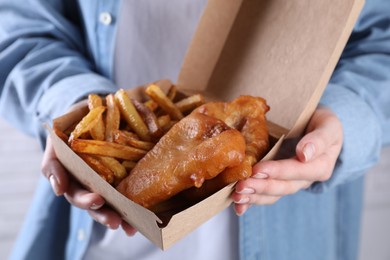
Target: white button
{"x": 80, "y": 235}
{"x": 105, "y": 18}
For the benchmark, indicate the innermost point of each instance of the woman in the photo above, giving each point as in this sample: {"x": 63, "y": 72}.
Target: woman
{"x": 54, "y": 53}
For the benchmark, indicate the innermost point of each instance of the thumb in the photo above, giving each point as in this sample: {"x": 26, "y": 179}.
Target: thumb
{"x": 323, "y": 131}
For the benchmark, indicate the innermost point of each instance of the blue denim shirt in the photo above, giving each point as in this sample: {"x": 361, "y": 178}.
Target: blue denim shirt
{"x": 53, "y": 53}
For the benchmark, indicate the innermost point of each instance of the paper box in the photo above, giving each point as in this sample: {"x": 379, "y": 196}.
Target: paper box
{"x": 284, "y": 51}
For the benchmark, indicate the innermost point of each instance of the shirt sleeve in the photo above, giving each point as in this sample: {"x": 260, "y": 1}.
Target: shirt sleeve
{"x": 359, "y": 94}
{"x": 44, "y": 63}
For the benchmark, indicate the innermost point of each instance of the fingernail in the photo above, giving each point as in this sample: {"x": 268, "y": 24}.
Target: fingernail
{"x": 308, "y": 151}
{"x": 246, "y": 207}
{"x": 54, "y": 184}
{"x": 95, "y": 206}
{"x": 243, "y": 200}
{"x": 246, "y": 191}
{"x": 110, "y": 226}
{"x": 260, "y": 175}
{"x": 131, "y": 233}
{"x": 240, "y": 213}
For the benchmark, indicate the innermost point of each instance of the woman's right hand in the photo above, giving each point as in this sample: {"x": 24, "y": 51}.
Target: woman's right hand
{"x": 63, "y": 184}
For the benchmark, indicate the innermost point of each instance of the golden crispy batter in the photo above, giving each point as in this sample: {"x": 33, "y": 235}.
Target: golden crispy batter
{"x": 196, "y": 149}
{"x": 246, "y": 114}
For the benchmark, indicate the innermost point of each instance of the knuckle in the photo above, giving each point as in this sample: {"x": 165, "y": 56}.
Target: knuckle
{"x": 325, "y": 176}
{"x": 70, "y": 199}
{"x": 265, "y": 187}
{"x": 327, "y": 165}
{"x": 46, "y": 170}
{"x": 269, "y": 200}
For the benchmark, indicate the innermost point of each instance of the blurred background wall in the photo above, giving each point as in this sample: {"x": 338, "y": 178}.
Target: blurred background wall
{"x": 20, "y": 158}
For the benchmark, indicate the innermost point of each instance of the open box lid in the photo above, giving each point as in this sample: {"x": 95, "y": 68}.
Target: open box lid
{"x": 284, "y": 51}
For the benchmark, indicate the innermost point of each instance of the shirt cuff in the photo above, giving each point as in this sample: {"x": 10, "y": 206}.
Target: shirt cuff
{"x": 61, "y": 96}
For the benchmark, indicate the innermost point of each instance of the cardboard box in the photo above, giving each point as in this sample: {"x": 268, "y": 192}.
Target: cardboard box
{"x": 284, "y": 51}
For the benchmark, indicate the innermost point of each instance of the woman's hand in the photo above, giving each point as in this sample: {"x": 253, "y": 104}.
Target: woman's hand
{"x": 314, "y": 160}
{"x": 63, "y": 184}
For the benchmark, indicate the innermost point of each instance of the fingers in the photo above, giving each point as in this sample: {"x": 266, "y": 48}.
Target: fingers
{"x": 106, "y": 216}
{"x": 316, "y": 152}
{"x": 129, "y": 229}
{"x": 62, "y": 185}
{"x": 109, "y": 218}
{"x": 95, "y": 205}
{"x": 252, "y": 188}
{"x": 316, "y": 155}
{"x": 293, "y": 169}
{"x": 242, "y": 202}
{"x": 59, "y": 179}
{"x": 53, "y": 170}
{"x": 82, "y": 198}
{"x": 263, "y": 192}
{"x": 240, "y": 209}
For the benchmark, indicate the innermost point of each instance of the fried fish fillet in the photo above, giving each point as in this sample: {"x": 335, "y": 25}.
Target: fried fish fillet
{"x": 197, "y": 148}
{"x": 247, "y": 115}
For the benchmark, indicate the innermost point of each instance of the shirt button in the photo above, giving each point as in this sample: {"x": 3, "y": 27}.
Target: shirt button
{"x": 105, "y": 18}
{"x": 80, "y": 235}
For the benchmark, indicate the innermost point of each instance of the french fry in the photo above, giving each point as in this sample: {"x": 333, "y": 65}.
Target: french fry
{"x": 171, "y": 94}
{"x": 151, "y": 105}
{"x": 60, "y": 134}
{"x": 131, "y": 115}
{"x": 94, "y": 101}
{"x": 106, "y": 173}
{"x": 122, "y": 136}
{"x": 127, "y": 138}
{"x": 156, "y": 94}
{"x": 129, "y": 165}
{"x": 115, "y": 166}
{"x": 112, "y": 117}
{"x": 98, "y": 131}
{"x": 118, "y": 131}
{"x": 163, "y": 121}
{"x": 163, "y": 84}
{"x": 96, "y": 147}
{"x": 70, "y": 128}
{"x": 87, "y": 123}
{"x": 150, "y": 119}
{"x": 190, "y": 103}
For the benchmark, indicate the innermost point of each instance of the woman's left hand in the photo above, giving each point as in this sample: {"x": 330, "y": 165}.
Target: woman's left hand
{"x": 314, "y": 160}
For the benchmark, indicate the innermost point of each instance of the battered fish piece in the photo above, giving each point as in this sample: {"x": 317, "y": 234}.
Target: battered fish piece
{"x": 247, "y": 115}
{"x": 197, "y": 148}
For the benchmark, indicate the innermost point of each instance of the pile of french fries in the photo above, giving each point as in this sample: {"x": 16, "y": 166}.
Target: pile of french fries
{"x": 118, "y": 130}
